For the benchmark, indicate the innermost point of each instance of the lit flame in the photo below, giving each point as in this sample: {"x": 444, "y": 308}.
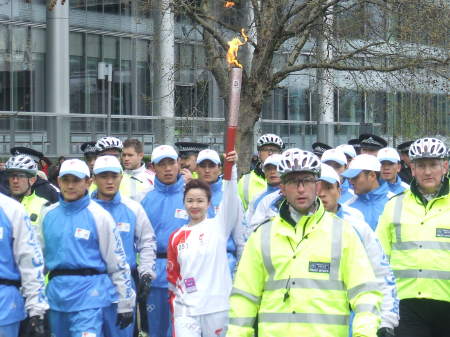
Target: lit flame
{"x": 233, "y": 49}
{"x": 229, "y": 4}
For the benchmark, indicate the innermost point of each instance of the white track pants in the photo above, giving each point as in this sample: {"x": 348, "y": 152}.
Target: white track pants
{"x": 209, "y": 325}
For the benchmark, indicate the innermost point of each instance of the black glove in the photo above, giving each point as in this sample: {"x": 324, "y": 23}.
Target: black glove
{"x": 36, "y": 326}
{"x": 144, "y": 287}
{"x": 385, "y": 332}
{"x": 124, "y": 319}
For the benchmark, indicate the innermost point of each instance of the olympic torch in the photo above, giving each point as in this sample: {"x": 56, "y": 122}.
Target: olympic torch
{"x": 234, "y": 99}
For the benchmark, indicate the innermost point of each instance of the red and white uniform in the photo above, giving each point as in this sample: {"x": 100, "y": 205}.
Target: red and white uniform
{"x": 197, "y": 265}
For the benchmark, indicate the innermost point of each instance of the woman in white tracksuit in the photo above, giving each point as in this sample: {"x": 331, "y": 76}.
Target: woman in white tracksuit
{"x": 197, "y": 267}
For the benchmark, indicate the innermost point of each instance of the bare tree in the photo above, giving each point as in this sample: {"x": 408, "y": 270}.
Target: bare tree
{"x": 361, "y": 38}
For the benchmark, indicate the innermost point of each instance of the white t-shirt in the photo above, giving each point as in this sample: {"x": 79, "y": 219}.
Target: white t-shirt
{"x": 197, "y": 264}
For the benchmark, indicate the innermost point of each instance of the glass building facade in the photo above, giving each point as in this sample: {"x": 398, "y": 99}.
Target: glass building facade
{"x": 121, "y": 33}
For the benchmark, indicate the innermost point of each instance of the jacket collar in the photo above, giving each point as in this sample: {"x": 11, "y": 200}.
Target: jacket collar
{"x": 136, "y": 171}
{"x": 176, "y": 187}
{"x": 378, "y": 193}
{"x": 75, "y": 206}
{"x": 258, "y": 170}
{"x": 114, "y": 201}
{"x": 443, "y": 191}
{"x": 216, "y": 186}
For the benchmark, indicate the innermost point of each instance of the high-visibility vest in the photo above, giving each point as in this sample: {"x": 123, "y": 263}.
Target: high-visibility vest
{"x": 33, "y": 205}
{"x": 250, "y": 186}
{"x": 130, "y": 187}
{"x": 302, "y": 284}
{"x": 416, "y": 237}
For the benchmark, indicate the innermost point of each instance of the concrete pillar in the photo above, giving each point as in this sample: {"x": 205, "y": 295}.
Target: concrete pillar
{"x": 165, "y": 71}
{"x": 57, "y": 78}
{"x": 325, "y": 85}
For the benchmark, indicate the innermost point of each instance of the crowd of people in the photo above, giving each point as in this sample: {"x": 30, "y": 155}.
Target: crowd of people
{"x": 333, "y": 242}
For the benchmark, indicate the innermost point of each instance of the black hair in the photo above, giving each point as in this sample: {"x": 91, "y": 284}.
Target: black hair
{"x": 196, "y": 183}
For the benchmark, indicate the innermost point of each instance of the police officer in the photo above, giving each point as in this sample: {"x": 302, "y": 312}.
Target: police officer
{"x": 21, "y": 171}
{"x": 254, "y": 183}
{"x": 187, "y": 153}
{"x": 85, "y": 258}
{"x": 90, "y": 153}
{"x": 371, "y": 144}
{"x": 405, "y": 172}
{"x": 319, "y": 148}
{"x": 414, "y": 230}
{"x": 134, "y": 228}
{"x": 301, "y": 271}
{"x": 41, "y": 186}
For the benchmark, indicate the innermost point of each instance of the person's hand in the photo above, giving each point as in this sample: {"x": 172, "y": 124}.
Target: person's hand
{"x": 144, "y": 287}
{"x": 36, "y": 326}
{"x": 187, "y": 175}
{"x": 385, "y": 332}
{"x": 231, "y": 157}
{"x": 124, "y": 319}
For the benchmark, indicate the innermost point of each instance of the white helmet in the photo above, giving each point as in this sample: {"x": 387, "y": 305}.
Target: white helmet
{"x": 109, "y": 143}
{"x": 427, "y": 148}
{"x": 270, "y": 139}
{"x": 296, "y": 160}
{"x": 22, "y": 163}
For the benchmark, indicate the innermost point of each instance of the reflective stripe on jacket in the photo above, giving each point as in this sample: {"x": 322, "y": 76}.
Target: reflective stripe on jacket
{"x": 300, "y": 279}
{"x": 250, "y": 186}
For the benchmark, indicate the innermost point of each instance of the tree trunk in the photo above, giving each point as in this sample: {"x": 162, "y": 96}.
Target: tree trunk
{"x": 248, "y": 115}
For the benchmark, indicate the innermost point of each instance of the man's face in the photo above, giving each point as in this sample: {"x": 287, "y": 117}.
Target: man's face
{"x": 329, "y": 194}
{"x": 373, "y": 152}
{"x": 73, "y": 188}
{"x": 208, "y": 171}
{"x": 363, "y": 182}
{"x": 272, "y": 175}
{"x": 300, "y": 190}
{"x": 20, "y": 183}
{"x": 131, "y": 159}
{"x": 108, "y": 183}
{"x": 337, "y": 167}
{"x": 428, "y": 173}
{"x": 405, "y": 157}
{"x": 389, "y": 171}
{"x": 266, "y": 150}
{"x": 189, "y": 162}
{"x": 167, "y": 170}
{"x": 110, "y": 152}
{"x": 90, "y": 161}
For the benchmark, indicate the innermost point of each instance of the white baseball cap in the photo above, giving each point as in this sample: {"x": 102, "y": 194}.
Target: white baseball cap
{"x": 388, "y": 154}
{"x": 273, "y": 159}
{"x": 334, "y": 155}
{"x": 329, "y": 174}
{"x": 107, "y": 164}
{"x": 362, "y": 162}
{"x": 75, "y": 167}
{"x": 348, "y": 149}
{"x": 208, "y": 154}
{"x": 163, "y": 151}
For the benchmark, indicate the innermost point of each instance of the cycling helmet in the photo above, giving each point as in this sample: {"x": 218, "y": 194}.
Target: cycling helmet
{"x": 427, "y": 148}
{"x": 21, "y": 163}
{"x": 109, "y": 143}
{"x": 270, "y": 139}
{"x": 296, "y": 160}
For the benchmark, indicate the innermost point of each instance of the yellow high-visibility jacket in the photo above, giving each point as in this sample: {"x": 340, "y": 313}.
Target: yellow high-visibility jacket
{"x": 300, "y": 279}
{"x": 33, "y": 205}
{"x": 415, "y": 234}
{"x": 250, "y": 186}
